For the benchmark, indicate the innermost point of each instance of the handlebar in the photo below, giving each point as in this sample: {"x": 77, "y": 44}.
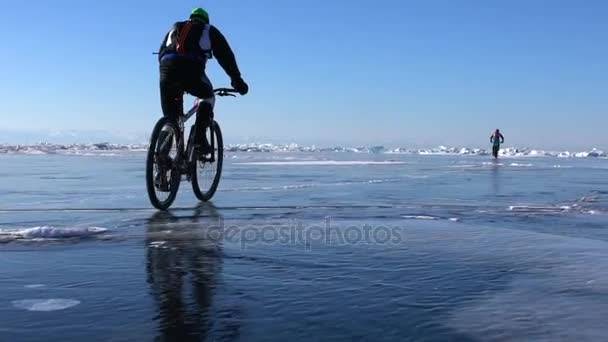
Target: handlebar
{"x": 225, "y": 92}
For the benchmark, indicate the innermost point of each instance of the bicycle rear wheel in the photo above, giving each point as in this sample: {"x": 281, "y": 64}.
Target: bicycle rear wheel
{"x": 162, "y": 172}
{"x": 206, "y": 174}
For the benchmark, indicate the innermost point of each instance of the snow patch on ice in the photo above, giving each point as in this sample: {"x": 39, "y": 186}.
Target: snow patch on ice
{"x": 52, "y": 304}
{"x": 538, "y": 209}
{"x": 46, "y": 232}
{"x": 419, "y": 217}
{"x": 321, "y": 163}
{"x": 157, "y": 244}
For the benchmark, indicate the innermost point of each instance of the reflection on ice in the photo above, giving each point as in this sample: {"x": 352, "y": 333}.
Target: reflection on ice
{"x": 183, "y": 268}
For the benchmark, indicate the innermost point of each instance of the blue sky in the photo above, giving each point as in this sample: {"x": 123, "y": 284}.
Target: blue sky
{"x": 393, "y": 72}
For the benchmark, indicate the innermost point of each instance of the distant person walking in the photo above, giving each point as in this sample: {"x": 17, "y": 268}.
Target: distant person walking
{"x": 496, "y": 139}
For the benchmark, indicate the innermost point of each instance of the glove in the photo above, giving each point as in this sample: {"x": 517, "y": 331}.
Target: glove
{"x": 240, "y": 85}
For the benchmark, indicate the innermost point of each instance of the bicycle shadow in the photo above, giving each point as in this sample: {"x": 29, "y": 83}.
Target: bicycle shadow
{"x": 183, "y": 267}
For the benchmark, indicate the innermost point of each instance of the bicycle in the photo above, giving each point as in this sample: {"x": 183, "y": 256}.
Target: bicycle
{"x": 168, "y": 159}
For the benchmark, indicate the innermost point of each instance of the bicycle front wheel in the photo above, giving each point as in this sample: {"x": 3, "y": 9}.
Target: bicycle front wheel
{"x": 206, "y": 174}
{"x": 162, "y": 172}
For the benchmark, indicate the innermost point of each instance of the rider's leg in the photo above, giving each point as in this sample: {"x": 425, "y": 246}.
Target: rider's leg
{"x": 171, "y": 92}
{"x": 172, "y": 104}
{"x": 171, "y": 97}
{"x": 203, "y": 121}
{"x": 201, "y": 87}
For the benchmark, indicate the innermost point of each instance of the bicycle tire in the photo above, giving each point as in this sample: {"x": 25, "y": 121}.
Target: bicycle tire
{"x": 175, "y": 179}
{"x": 201, "y": 194}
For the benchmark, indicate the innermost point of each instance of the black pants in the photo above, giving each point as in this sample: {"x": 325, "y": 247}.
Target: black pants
{"x": 179, "y": 76}
{"x": 495, "y": 150}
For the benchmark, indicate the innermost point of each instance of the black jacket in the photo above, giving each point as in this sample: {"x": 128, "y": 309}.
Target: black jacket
{"x": 187, "y": 39}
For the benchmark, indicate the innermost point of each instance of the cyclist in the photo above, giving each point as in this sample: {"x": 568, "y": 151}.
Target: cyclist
{"x": 182, "y": 57}
{"x": 496, "y": 139}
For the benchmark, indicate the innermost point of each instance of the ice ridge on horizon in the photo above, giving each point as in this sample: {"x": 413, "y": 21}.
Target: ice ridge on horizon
{"x": 79, "y": 148}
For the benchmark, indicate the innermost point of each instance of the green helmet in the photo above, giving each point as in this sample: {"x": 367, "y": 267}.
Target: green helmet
{"x": 200, "y": 14}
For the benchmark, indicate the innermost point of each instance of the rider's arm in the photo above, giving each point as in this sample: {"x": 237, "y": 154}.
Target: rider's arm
{"x": 223, "y": 53}
{"x": 162, "y": 46}
{"x": 502, "y": 138}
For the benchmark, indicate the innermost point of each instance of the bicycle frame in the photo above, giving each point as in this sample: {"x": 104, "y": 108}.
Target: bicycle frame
{"x": 192, "y": 111}
{"x": 184, "y": 155}
{"x": 182, "y": 121}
